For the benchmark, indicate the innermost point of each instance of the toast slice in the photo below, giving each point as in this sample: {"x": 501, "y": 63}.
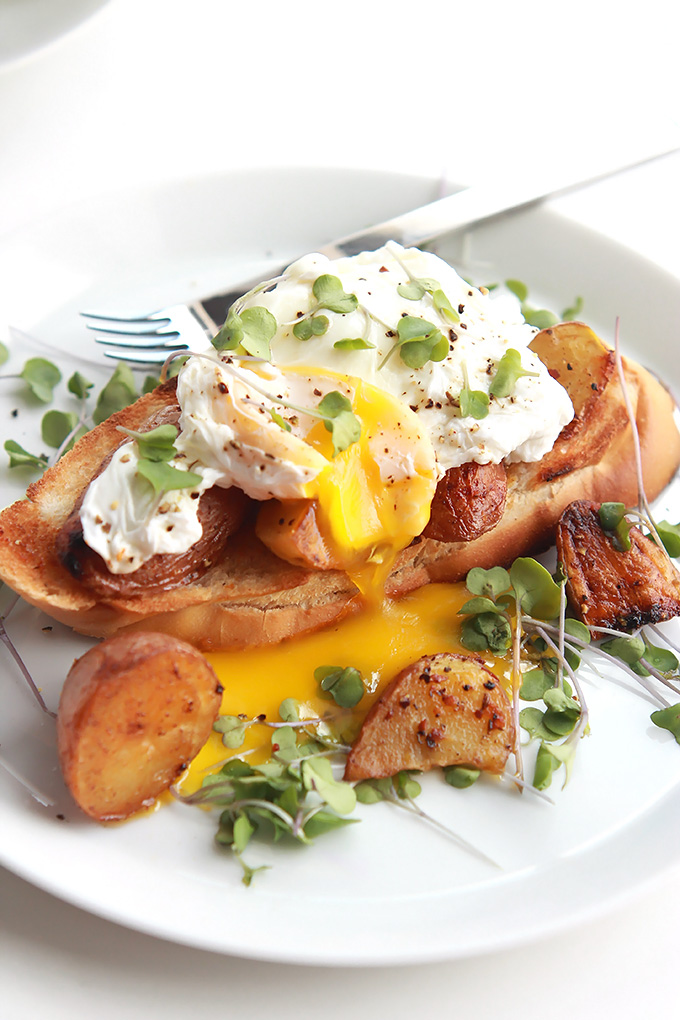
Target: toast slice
{"x": 252, "y": 597}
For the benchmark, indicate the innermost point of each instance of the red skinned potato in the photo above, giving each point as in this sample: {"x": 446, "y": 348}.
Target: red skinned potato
{"x": 133, "y": 713}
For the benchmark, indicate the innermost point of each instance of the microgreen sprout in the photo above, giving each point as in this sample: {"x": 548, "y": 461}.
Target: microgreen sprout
{"x": 294, "y": 794}
{"x": 156, "y": 448}
{"x": 250, "y": 330}
{"x": 419, "y": 341}
{"x": 344, "y": 684}
{"x": 508, "y": 371}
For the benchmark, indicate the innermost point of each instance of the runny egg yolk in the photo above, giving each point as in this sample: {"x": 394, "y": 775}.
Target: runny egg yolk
{"x": 379, "y": 642}
{"x": 374, "y": 497}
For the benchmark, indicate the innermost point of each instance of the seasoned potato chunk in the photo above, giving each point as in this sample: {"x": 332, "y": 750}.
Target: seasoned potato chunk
{"x": 133, "y": 713}
{"x": 608, "y": 587}
{"x": 585, "y": 366}
{"x": 291, "y": 530}
{"x": 444, "y": 709}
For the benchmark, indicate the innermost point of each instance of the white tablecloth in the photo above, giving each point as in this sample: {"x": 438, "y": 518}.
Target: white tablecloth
{"x": 153, "y": 90}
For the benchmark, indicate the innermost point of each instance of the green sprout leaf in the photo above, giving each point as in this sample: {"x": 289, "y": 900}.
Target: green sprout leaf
{"x": 460, "y": 776}
{"x": 56, "y": 426}
{"x": 484, "y": 631}
{"x": 157, "y": 445}
{"x": 317, "y": 325}
{"x": 629, "y": 650}
{"x": 345, "y": 684}
{"x": 289, "y": 710}
{"x": 330, "y": 294}
{"x": 668, "y": 719}
{"x": 406, "y": 786}
{"x": 509, "y": 370}
{"x": 232, "y": 728}
{"x": 279, "y": 420}
{"x": 535, "y": 588}
{"x": 662, "y": 659}
{"x": 444, "y": 306}
{"x": 18, "y": 457}
{"x": 532, "y": 720}
{"x": 573, "y": 311}
{"x": 539, "y": 317}
{"x": 613, "y": 521}
{"x": 535, "y": 682}
{"x": 479, "y": 604}
{"x": 119, "y": 392}
{"x": 611, "y": 515}
{"x": 546, "y": 764}
{"x": 317, "y": 774}
{"x": 563, "y": 711}
{"x": 242, "y": 831}
{"x": 79, "y": 386}
{"x": 419, "y": 342}
{"x": 41, "y": 376}
{"x": 519, "y": 289}
{"x": 252, "y": 330}
{"x": 340, "y": 420}
{"x": 4, "y": 354}
{"x": 473, "y": 403}
{"x": 372, "y": 791}
{"x": 670, "y": 536}
{"x": 488, "y": 583}
{"x": 356, "y": 343}
{"x": 324, "y": 821}
{"x": 164, "y": 478}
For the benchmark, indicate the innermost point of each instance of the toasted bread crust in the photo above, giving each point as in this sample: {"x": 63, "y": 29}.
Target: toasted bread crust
{"x": 253, "y": 598}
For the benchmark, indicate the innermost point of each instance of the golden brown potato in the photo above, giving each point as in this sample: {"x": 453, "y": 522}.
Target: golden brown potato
{"x": 468, "y": 501}
{"x": 133, "y": 713}
{"x": 291, "y": 531}
{"x": 612, "y": 588}
{"x": 585, "y": 366}
{"x": 444, "y": 709}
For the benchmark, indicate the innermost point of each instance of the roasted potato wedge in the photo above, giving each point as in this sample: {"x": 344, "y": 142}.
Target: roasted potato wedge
{"x": 291, "y": 530}
{"x": 469, "y": 501}
{"x": 612, "y": 588}
{"x": 585, "y": 366}
{"x": 444, "y": 709}
{"x": 133, "y": 713}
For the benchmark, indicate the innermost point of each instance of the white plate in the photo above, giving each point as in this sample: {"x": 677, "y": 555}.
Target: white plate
{"x": 389, "y": 890}
{"x": 29, "y": 26}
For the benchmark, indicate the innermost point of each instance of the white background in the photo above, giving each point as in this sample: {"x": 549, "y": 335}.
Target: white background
{"x": 158, "y": 90}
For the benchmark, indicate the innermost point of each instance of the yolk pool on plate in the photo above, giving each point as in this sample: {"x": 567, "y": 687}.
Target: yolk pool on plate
{"x": 379, "y": 642}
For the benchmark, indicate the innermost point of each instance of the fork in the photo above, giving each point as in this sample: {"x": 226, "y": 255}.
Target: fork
{"x": 146, "y": 340}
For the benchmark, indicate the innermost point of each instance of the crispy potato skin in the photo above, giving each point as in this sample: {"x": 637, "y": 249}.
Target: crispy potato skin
{"x": 612, "y": 588}
{"x": 468, "y": 501}
{"x": 442, "y": 710}
{"x": 133, "y": 712}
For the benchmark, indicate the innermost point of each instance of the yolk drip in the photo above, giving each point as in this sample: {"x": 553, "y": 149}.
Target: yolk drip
{"x": 379, "y": 642}
{"x": 374, "y": 497}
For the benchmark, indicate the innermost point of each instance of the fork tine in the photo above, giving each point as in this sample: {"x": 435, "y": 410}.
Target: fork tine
{"x": 140, "y": 359}
{"x": 152, "y": 345}
{"x": 141, "y": 319}
{"x": 157, "y": 339}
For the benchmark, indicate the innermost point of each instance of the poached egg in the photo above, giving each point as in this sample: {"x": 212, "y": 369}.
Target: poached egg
{"x": 395, "y": 339}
